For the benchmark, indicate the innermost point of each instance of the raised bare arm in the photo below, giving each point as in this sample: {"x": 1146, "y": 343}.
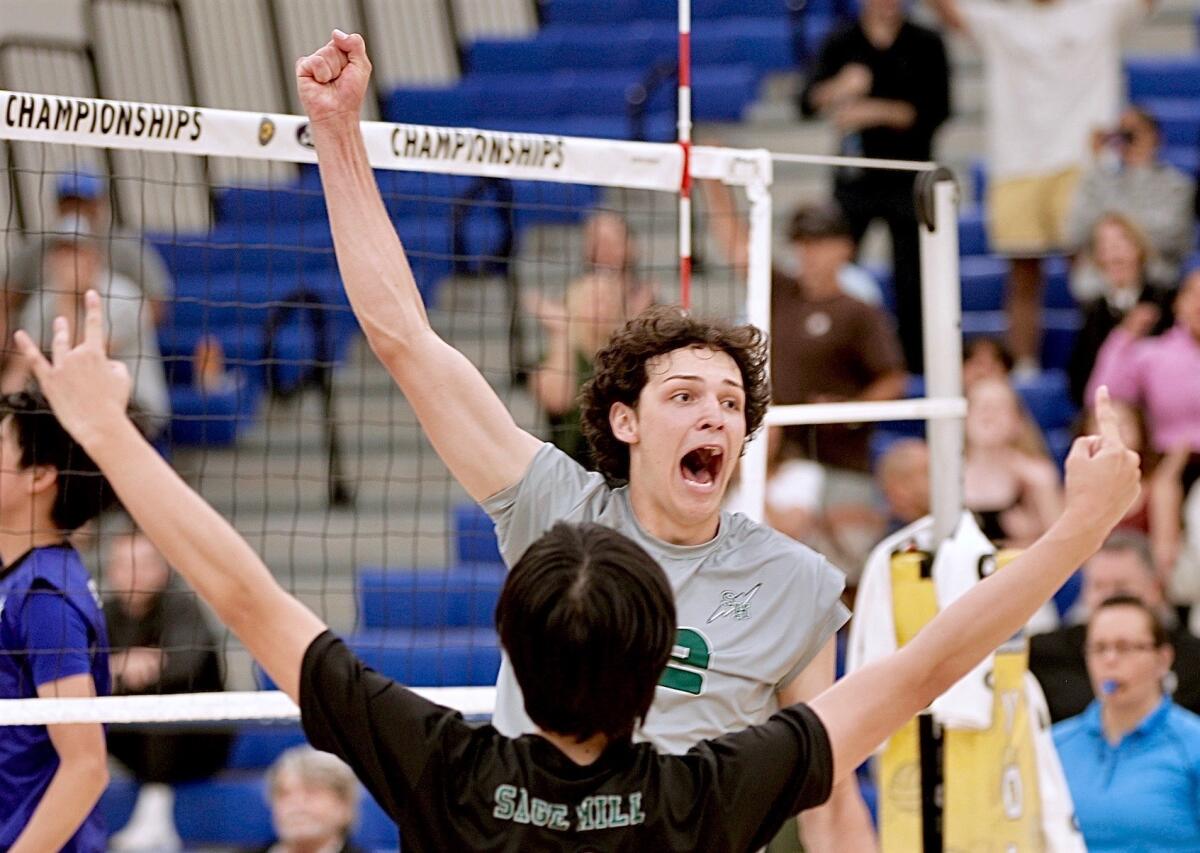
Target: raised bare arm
{"x": 463, "y": 417}
{"x": 89, "y": 395}
{"x": 865, "y": 707}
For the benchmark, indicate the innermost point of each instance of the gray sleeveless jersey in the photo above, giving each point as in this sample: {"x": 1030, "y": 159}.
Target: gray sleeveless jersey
{"x": 754, "y": 606}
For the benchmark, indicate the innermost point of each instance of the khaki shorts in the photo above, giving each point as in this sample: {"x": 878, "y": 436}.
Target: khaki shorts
{"x": 1026, "y": 215}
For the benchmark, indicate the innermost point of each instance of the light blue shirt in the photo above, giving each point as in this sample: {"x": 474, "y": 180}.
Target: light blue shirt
{"x": 1142, "y": 794}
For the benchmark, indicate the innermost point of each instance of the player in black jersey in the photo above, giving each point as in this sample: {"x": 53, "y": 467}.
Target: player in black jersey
{"x": 587, "y": 619}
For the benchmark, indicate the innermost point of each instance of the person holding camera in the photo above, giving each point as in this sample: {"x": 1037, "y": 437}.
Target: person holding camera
{"x": 1128, "y": 177}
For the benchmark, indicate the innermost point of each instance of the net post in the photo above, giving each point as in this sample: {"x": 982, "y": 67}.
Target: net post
{"x": 936, "y": 198}
{"x": 758, "y": 312}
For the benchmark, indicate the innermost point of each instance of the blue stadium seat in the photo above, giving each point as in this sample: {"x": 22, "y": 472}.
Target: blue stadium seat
{"x": 1185, "y": 158}
{"x": 437, "y": 657}
{"x": 281, "y": 203}
{"x": 983, "y": 282}
{"x": 1057, "y": 293}
{"x": 229, "y": 810}
{"x": 376, "y": 831}
{"x": 212, "y": 419}
{"x": 233, "y": 810}
{"x": 1179, "y": 118}
{"x": 972, "y": 231}
{"x": 1058, "y": 342}
{"x": 257, "y": 746}
{"x": 1164, "y": 77}
{"x": 760, "y": 42}
{"x": 461, "y": 597}
{"x": 474, "y": 535}
{"x": 1047, "y": 399}
{"x": 979, "y": 180}
{"x": 275, "y": 247}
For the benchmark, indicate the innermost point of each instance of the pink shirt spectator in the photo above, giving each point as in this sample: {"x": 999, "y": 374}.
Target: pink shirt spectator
{"x": 1162, "y": 374}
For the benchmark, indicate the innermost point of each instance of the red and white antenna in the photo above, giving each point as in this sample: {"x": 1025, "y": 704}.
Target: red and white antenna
{"x": 685, "y": 142}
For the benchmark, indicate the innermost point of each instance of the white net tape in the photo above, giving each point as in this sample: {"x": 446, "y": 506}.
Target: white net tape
{"x": 265, "y": 705}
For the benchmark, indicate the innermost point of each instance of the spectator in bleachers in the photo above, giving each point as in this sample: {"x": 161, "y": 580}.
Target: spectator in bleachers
{"x": 85, "y": 195}
{"x": 610, "y": 247}
{"x": 1162, "y": 375}
{"x": 1120, "y": 255}
{"x": 76, "y": 262}
{"x": 729, "y": 230}
{"x": 985, "y": 358}
{"x": 1132, "y": 759}
{"x": 1053, "y": 77}
{"x": 1127, "y": 177}
{"x": 884, "y": 82}
{"x": 597, "y": 303}
{"x": 314, "y": 803}
{"x": 161, "y": 643}
{"x": 903, "y": 478}
{"x": 830, "y": 347}
{"x": 1009, "y": 481}
{"x": 1123, "y": 566}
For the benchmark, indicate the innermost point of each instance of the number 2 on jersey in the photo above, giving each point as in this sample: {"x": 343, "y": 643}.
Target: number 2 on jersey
{"x": 689, "y": 659}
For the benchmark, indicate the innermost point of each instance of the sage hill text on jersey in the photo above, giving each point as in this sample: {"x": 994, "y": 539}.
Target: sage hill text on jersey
{"x": 599, "y": 811}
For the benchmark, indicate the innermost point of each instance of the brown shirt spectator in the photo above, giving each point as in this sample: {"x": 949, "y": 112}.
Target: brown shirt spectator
{"x": 826, "y": 350}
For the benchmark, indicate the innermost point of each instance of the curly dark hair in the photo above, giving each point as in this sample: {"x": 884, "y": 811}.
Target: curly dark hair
{"x": 620, "y": 374}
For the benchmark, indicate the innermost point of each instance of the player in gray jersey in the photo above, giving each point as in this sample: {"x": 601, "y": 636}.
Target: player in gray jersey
{"x": 669, "y": 410}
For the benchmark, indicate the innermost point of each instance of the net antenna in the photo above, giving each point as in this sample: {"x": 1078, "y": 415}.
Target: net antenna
{"x": 140, "y": 127}
{"x": 685, "y": 145}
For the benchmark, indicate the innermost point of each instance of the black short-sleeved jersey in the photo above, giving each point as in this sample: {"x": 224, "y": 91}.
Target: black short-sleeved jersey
{"x": 451, "y": 785}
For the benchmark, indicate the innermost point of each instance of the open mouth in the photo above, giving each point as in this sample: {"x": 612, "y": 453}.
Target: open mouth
{"x": 702, "y": 466}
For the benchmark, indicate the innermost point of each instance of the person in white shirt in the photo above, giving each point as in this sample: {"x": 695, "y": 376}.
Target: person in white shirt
{"x": 1052, "y": 71}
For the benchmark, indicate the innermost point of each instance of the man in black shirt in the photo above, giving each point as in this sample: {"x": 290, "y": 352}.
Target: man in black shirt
{"x": 588, "y": 621}
{"x": 884, "y": 82}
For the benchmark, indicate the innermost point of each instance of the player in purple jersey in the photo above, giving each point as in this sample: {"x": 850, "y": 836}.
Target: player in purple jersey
{"x": 52, "y": 637}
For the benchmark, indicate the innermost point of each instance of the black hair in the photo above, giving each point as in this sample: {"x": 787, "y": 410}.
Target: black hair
{"x": 83, "y": 492}
{"x": 1158, "y": 631}
{"x": 588, "y": 621}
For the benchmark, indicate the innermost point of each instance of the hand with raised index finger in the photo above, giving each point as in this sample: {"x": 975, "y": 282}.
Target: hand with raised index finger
{"x": 1107, "y": 422}
{"x": 1103, "y": 475}
{"x": 88, "y": 391}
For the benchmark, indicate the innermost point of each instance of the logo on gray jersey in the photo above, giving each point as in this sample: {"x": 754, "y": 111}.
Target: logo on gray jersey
{"x": 735, "y": 604}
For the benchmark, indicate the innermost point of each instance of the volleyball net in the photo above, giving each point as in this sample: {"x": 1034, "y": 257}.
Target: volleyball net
{"x": 255, "y": 382}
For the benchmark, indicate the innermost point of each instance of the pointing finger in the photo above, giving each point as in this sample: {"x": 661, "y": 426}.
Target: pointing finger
{"x": 1106, "y": 418}
{"x": 93, "y": 321}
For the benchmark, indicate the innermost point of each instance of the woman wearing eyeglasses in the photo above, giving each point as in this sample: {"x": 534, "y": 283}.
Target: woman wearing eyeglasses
{"x": 1132, "y": 758}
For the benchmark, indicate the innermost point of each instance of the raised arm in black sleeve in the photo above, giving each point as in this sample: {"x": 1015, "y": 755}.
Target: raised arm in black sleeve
{"x": 769, "y": 773}
{"x": 384, "y": 731}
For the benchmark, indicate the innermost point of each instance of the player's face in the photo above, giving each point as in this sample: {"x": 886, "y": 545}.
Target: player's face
{"x": 16, "y": 483}
{"x": 689, "y": 426}
{"x": 1121, "y": 655}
